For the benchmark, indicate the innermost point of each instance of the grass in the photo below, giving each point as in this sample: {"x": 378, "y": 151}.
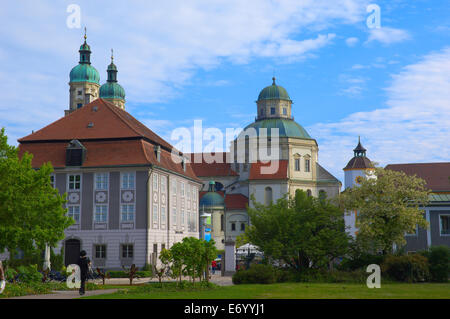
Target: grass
{"x": 285, "y": 291}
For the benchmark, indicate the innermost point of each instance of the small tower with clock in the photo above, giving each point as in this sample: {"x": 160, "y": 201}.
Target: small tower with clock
{"x": 357, "y": 169}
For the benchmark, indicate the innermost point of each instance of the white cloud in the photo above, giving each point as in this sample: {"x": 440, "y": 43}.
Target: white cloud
{"x": 413, "y": 127}
{"x": 157, "y": 48}
{"x": 388, "y": 35}
{"x": 351, "y": 42}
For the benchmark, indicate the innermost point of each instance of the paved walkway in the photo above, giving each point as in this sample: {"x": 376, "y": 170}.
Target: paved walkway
{"x": 73, "y": 294}
{"x": 68, "y": 294}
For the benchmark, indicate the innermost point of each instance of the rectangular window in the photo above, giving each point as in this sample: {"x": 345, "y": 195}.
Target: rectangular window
{"x": 127, "y": 213}
{"x": 128, "y": 180}
{"x": 52, "y": 180}
{"x": 188, "y": 191}
{"x": 182, "y": 189}
{"x": 74, "y": 212}
{"x": 101, "y": 181}
{"x": 272, "y": 110}
{"x": 163, "y": 215}
{"x": 100, "y": 251}
{"x": 445, "y": 224}
{"x": 307, "y": 165}
{"x": 284, "y": 111}
{"x": 297, "y": 164}
{"x": 101, "y": 213}
{"x": 174, "y": 187}
{"x": 174, "y": 216}
{"x": 155, "y": 182}
{"x": 127, "y": 251}
{"x": 155, "y": 213}
{"x": 182, "y": 216}
{"x": 74, "y": 182}
{"x": 233, "y": 226}
{"x": 242, "y": 226}
{"x": 163, "y": 184}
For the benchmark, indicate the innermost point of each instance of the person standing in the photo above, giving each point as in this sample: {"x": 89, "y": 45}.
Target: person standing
{"x": 213, "y": 266}
{"x": 84, "y": 263}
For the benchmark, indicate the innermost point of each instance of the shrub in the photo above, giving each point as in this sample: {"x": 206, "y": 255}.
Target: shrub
{"x": 256, "y": 274}
{"x": 360, "y": 262}
{"x": 57, "y": 261}
{"x": 439, "y": 261}
{"x": 124, "y": 274}
{"x": 409, "y": 268}
{"x": 29, "y": 274}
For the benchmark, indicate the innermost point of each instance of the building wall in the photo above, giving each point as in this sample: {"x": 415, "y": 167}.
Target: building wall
{"x": 437, "y": 238}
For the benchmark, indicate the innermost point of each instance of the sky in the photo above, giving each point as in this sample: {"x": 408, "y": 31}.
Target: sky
{"x": 181, "y": 61}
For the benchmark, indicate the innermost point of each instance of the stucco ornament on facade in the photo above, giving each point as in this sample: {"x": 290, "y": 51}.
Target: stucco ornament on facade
{"x": 127, "y": 196}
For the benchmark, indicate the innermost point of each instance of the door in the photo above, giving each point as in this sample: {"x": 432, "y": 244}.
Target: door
{"x": 72, "y": 251}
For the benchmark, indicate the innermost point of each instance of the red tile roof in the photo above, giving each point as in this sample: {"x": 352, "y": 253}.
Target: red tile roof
{"x": 205, "y": 169}
{"x": 256, "y": 170}
{"x": 232, "y": 201}
{"x": 437, "y": 175}
{"x": 116, "y": 139}
{"x": 109, "y": 122}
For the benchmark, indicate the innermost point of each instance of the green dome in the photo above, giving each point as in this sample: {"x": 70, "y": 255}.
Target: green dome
{"x": 112, "y": 90}
{"x": 211, "y": 199}
{"x": 85, "y": 47}
{"x": 274, "y": 92}
{"x": 84, "y": 73}
{"x": 286, "y": 127}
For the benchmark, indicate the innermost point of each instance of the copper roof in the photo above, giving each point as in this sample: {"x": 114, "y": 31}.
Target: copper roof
{"x": 359, "y": 162}
{"x": 437, "y": 175}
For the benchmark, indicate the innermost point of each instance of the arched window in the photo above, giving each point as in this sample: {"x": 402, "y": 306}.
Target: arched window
{"x": 268, "y": 195}
{"x": 308, "y": 192}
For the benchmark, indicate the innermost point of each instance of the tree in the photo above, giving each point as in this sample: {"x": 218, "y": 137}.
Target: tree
{"x": 31, "y": 210}
{"x": 304, "y": 232}
{"x": 388, "y": 205}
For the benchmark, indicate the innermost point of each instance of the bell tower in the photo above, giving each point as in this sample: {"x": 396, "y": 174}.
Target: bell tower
{"x": 84, "y": 80}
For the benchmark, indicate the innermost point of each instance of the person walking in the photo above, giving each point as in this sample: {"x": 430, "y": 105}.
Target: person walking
{"x": 84, "y": 263}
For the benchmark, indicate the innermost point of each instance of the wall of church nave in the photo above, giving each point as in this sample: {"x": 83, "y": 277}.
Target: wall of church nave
{"x": 267, "y": 191}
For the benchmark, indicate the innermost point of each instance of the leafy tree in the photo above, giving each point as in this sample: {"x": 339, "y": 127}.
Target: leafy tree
{"x": 304, "y": 232}
{"x": 388, "y": 205}
{"x": 31, "y": 210}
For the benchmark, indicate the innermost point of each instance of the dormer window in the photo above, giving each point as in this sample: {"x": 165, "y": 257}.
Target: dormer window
{"x": 75, "y": 153}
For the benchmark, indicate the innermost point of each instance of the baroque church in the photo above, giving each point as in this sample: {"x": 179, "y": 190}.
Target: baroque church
{"x": 229, "y": 183}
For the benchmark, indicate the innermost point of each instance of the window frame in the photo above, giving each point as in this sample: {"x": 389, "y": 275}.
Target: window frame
{"x": 440, "y": 224}
{"x": 74, "y": 182}
{"x": 127, "y": 185}
{"x": 104, "y": 183}
{"x": 69, "y": 214}
{"x": 127, "y": 213}
{"x": 104, "y": 252}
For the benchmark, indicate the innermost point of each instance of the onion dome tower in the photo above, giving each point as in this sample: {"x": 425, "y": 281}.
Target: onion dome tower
{"x": 84, "y": 80}
{"x": 111, "y": 90}
{"x": 358, "y": 167}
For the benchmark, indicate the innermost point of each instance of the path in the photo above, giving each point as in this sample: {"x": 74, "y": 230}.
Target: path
{"x": 68, "y": 294}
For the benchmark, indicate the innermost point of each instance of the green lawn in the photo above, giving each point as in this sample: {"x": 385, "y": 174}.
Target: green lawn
{"x": 288, "y": 291}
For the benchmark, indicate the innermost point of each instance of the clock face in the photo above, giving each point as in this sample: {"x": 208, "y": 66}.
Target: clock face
{"x": 358, "y": 179}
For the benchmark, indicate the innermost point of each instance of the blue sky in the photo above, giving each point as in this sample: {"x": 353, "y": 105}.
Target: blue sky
{"x": 184, "y": 60}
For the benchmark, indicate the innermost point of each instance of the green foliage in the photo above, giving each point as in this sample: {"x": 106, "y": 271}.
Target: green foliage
{"x": 33, "y": 257}
{"x": 256, "y": 274}
{"x": 31, "y": 210}
{"x": 190, "y": 257}
{"x": 388, "y": 207}
{"x": 439, "y": 261}
{"x": 27, "y": 274}
{"x": 10, "y": 274}
{"x": 408, "y": 268}
{"x": 57, "y": 260}
{"x": 302, "y": 231}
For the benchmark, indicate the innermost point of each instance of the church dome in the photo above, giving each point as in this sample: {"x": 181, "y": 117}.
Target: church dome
{"x": 286, "y": 127}
{"x": 112, "y": 90}
{"x": 274, "y": 92}
{"x": 211, "y": 198}
{"x": 84, "y": 72}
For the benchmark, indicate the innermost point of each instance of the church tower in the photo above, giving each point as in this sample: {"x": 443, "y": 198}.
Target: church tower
{"x": 111, "y": 90}
{"x": 358, "y": 167}
{"x": 84, "y": 80}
